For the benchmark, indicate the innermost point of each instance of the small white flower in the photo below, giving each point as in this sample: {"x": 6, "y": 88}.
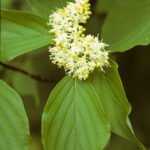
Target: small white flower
{"x": 61, "y": 38}
{"x": 77, "y": 53}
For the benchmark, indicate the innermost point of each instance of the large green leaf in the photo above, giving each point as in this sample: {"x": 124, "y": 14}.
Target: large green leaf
{"x": 74, "y": 119}
{"x": 127, "y": 25}
{"x": 44, "y": 7}
{"x": 22, "y": 32}
{"x": 14, "y": 128}
{"x": 111, "y": 94}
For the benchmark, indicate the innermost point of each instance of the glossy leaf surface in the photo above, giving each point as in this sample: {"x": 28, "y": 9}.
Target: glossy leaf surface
{"x": 74, "y": 118}
{"x": 22, "y": 32}
{"x": 127, "y": 25}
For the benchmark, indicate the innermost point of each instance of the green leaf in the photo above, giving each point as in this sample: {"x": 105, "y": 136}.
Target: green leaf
{"x": 127, "y": 25}
{"x": 14, "y": 127}
{"x": 103, "y": 6}
{"x": 22, "y": 32}
{"x": 74, "y": 119}
{"x": 43, "y": 8}
{"x": 5, "y": 3}
{"x": 111, "y": 94}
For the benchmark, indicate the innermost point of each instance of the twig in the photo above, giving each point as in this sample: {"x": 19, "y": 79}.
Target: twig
{"x": 35, "y": 77}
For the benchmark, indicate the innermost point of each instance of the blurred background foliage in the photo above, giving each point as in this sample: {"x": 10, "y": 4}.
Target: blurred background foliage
{"x": 134, "y": 68}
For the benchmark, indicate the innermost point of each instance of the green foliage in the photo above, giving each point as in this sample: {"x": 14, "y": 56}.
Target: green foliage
{"x": 14, "y": 127}
{"x": 22, "y": 32}
{"x": 110, "y": 91}
{"x": 74, "y": 118}
{"x": 5, "y": 3}
{"x": 76, "y": 110}
{"x": 78, "y": 114}
{"x": 127, "y": 25}
{"x": 45, "y": 7}
{"x": 103, "y": 6}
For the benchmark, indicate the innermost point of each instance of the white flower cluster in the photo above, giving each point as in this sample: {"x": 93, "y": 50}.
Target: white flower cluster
{"x": 77, "y": 53}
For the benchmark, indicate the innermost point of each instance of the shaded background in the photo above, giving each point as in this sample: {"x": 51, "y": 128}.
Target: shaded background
{"x": 134, "y": 68}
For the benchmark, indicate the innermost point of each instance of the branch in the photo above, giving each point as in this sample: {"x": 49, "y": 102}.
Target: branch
{"x": 35, "y": 77}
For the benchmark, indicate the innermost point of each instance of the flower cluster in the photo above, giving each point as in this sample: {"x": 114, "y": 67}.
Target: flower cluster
{"x": 78, "y": 53}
